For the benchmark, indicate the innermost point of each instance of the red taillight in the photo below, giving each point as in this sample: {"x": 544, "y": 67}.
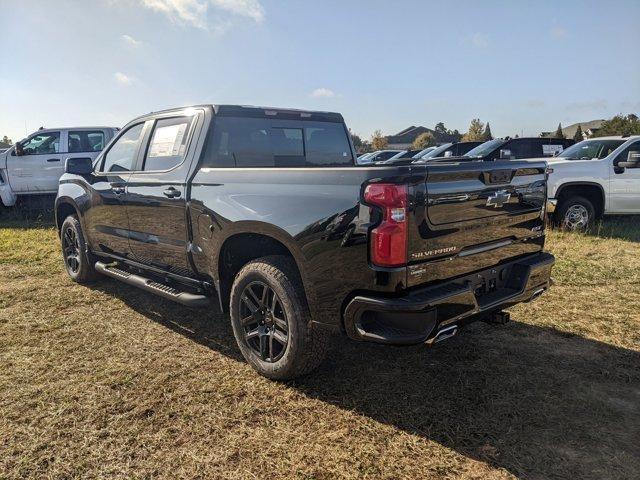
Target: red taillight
{"x": 389, "y": 239}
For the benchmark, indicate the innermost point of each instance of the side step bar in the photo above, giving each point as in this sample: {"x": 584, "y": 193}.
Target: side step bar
{"x": 165, "y": 291}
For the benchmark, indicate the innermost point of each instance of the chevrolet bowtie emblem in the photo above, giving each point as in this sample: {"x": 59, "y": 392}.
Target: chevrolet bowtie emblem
{"x": 497, "y": 199}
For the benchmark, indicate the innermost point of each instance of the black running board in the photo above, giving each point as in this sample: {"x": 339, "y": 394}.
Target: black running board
{"x": 165, "y": 291}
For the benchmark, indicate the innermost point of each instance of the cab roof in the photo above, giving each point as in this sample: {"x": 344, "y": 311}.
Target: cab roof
{"x": 261, "y": 112}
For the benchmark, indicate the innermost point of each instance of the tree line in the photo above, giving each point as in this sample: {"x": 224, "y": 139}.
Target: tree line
{"x": 478, "y": 132}
{"x": 481, "y": 132}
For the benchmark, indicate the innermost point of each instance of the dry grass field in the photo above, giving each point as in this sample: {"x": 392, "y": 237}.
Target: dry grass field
{"x": 112, "y": 382}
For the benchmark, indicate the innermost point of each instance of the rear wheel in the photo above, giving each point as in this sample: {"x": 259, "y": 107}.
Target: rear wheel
{"x": 77, "y": 260}
{"x": 271, "y": 320}
{"x": 576, "y": 213}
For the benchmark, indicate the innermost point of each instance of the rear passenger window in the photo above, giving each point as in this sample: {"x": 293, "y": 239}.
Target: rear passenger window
{"x": 86, "y": 141}
{"x": 261, "y": 142}
{"x": 168, "y": 144}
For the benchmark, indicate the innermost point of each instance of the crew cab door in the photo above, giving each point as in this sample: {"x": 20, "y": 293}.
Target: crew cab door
{"x": 41, "y": 165}
{"x": 106, "y": 221}
{"x": 157, "y": 193}
{"x": 624, "y": 184}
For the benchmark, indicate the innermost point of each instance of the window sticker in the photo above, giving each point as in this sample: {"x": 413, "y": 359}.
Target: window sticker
{"x": 551, "y": 150}
{"x": 167, "y": 141}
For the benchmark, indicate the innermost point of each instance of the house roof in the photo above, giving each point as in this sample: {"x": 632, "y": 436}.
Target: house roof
{"x": 570, "y": 130}
{"x": 409, "y": 134}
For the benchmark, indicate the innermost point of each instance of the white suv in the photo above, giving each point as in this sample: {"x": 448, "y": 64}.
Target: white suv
{"x": 596, "y": 177}
{"x": 34, "y": 165}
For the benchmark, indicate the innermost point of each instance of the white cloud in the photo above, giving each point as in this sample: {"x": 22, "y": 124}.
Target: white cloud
{"x": 129, "y": 40}
{"x": 479, "y": 40}
{"x": 123, "y": 79}
{"x": 194, "y": 12}
{"x": 245, "y": 8}
{"x": 323, "y": 93}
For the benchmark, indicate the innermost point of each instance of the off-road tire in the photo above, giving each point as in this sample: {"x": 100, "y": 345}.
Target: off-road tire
{"x": 307, "y": 344}
{"x": 85, "y": 271}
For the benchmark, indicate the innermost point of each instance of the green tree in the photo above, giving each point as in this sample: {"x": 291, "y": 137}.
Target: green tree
{"x": 559, "y": 133}
{"x": 378, "y": 142}
{"x": 476, "y": 131}
{"x": 456, "y": 136}
{"x": 7, "y": 140}
{"x": 423, "y": 141}
{"x": 578, "y": 135}
{"x": 440, "y": 128}
{"x": 487, "y": 133}
{"x": 357, "y": 141}
{"x": 620, "y": 125}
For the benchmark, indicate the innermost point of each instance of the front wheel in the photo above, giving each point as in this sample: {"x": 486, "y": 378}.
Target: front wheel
{"x": 576, "y": 213}
{"x": 271, "y": 320}
{"x": 77, "y": 260}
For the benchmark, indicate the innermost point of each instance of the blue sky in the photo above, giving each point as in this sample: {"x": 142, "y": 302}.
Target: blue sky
{"x": 523, "y": 66}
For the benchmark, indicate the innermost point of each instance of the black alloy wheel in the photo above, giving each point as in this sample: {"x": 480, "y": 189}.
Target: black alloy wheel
{"x": 264, "y": 321}
{"x": 71, "y": 249}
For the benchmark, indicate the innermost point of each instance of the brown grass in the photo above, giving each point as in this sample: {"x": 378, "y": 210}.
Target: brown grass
{"x": 113, "y": 382}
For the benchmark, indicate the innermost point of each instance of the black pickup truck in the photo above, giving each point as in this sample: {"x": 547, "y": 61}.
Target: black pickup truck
{"x": 263, "y": 213}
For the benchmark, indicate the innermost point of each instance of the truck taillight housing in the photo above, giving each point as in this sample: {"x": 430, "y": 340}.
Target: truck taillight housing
{"x": 389, "y": 239}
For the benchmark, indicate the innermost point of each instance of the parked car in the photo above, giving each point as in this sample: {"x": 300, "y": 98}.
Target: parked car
{"x": 364, "y": 158}
{"x": 451, "y": 149}
{"x": 593, "y": 178}
{"x": 518, "y": 148}
{"x": 423, "y": 152}
{"x": 404, "y": 154}
{"x": 263, "y": 212}
{"x": 382, "y": 155}
{"x": 34, "y": 165}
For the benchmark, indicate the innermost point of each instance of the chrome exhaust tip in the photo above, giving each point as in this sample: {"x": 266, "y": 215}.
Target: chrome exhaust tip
{"x": 536, "y": 294}
{"x": 443, "y": 334}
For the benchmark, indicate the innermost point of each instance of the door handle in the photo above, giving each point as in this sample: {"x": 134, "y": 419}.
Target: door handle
{"x": 50, "y": 160}
{"x": 118, "y": 190}
{"x": 172, "y": 193}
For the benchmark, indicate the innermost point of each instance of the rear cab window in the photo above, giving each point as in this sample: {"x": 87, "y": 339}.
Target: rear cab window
{"x": 246, "y": 142}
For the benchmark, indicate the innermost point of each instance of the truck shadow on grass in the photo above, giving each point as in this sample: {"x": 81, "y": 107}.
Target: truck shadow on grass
{"x": 536, "y": 401}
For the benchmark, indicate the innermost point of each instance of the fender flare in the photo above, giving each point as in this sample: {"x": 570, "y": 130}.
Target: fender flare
{"x": 565, "y": 185}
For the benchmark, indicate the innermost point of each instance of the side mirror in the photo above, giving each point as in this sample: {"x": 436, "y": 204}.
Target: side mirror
{"x": 19, "y": 149}
{"x": 79, "y": 165}
{"x": 448, "y": 153}
{"x": 505, "y": 154}
{"x": 633, "y": 160}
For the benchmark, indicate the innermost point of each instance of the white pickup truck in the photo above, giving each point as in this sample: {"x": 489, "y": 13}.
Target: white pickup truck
{"x": 34, "y": 165}
{"x": 596, "y": 177}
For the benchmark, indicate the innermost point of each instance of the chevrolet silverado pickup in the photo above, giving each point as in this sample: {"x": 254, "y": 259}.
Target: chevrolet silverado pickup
{"x": 263, "y": 213}
{"x": 593, "y": 178}
{"x": 34, "y": 165}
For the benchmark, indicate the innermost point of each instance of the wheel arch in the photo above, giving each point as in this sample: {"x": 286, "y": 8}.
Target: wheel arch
{"x": 64, "y": 207}
{"x": 249, "y": 242}
{"x": 592, "y": 191}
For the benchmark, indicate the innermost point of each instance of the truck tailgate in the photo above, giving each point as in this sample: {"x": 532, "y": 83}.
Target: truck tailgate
{"x": 473, "y": 215}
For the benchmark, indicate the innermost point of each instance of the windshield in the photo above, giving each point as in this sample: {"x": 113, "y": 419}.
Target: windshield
{"x": 422, "y": 153}
{"x": 485, "y": 148}
{"x": 591, "y": 149}
{"x": 437, "y": 152}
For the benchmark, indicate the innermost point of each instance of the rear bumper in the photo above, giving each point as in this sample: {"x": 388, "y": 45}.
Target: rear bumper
{"x": 420, "y": 315}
